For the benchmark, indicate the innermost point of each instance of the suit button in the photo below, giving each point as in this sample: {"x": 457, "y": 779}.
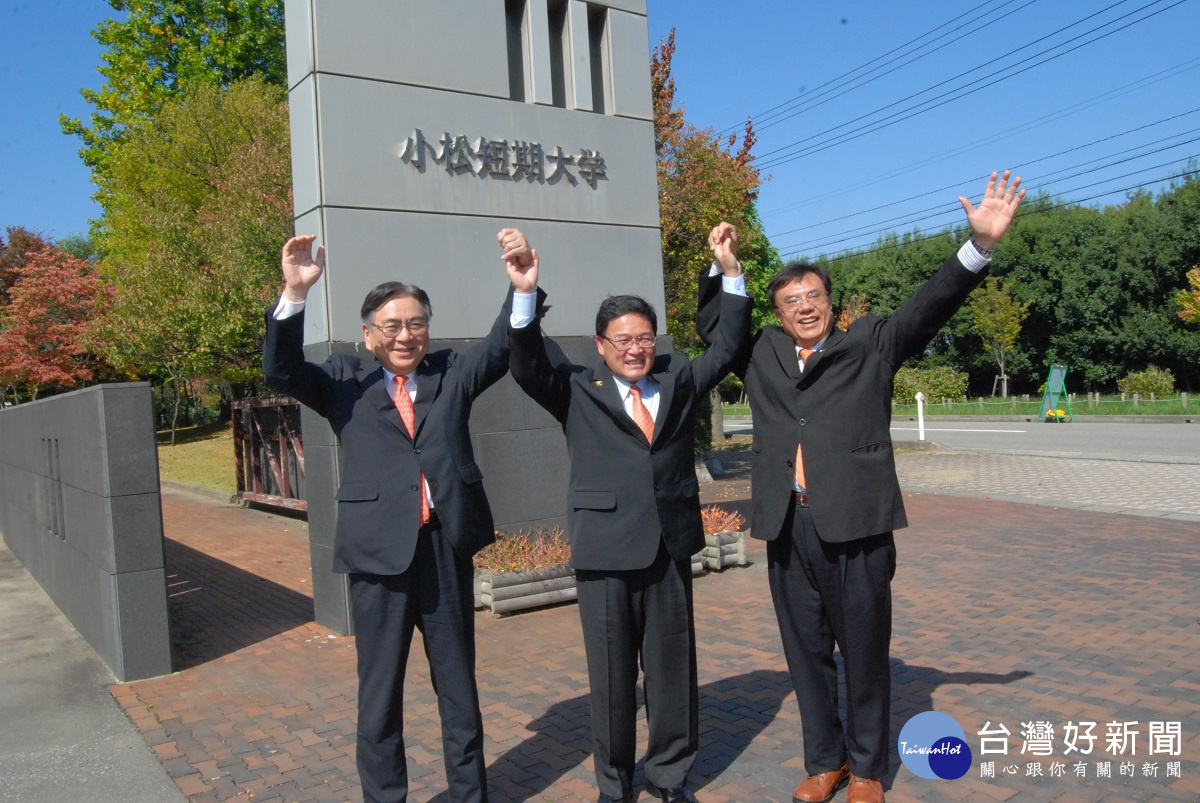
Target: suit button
{"x": 416, "y": 451}
{"x": 803, "y": 422}
{"x": 412, "y": 487}
{"x": 657, "y": 487}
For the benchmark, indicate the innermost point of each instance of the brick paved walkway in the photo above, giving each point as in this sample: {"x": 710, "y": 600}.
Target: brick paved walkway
{"x": 1003, "y": 612}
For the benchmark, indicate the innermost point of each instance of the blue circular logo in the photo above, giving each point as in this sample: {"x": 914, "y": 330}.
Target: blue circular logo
{"x": 933, "y": 745}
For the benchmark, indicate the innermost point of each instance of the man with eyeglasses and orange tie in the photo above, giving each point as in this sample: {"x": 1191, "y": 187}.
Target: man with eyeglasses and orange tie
{"x": 826, "y": 495}
{"x": 633, "y": 511}
{"x": 411, "y": 506}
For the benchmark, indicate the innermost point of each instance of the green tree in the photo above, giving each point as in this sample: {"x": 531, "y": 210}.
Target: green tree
{"x": 201, "y": 201}
{"x": 998, "y": 318}
{"x": 1105, "y": 283}
{"x": 162, "y": 47}
{"x": 79, "y": 245}
{"x": 760, "y": 261}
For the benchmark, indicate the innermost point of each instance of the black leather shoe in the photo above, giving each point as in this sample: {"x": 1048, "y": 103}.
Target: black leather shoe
{"x": 676, "y": 794}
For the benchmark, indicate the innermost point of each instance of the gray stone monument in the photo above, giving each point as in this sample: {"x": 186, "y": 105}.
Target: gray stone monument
{"x": 80, "y": 508}
{"x": 419, "y": 130}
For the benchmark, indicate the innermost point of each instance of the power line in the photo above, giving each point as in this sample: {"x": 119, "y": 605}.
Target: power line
{"x": 962, "y": 92}
{"x": 765, "y": 120}
{"x": 1028, "y": 125}
{"x": 1023, "y": 168}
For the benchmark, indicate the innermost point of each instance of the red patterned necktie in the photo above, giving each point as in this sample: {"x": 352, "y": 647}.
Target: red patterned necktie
{"x": 404, "y": 406}
{"x": 641, "y": 416}
{"x": 804, "y": 355}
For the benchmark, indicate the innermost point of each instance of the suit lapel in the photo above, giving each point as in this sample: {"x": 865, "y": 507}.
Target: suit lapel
{"x": 666, "y": 394}
{"x": 789, "y": 358}
{"x": 815, "y": 358}
{"x": 785, "y": 352}
{"x": 375, "y": 391}
{"x": 428, "y": 385}
{"x": 606, "y": 391}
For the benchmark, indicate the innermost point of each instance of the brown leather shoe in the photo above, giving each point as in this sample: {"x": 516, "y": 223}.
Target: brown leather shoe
{"x": 820, "y": 788}
{"x": 864, "y": 790}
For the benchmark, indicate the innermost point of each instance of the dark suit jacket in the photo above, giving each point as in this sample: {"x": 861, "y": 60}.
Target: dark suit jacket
{"x": 624, "y": 492}
{"x": 840, "y": 406}
{"x": 379, "y": 499}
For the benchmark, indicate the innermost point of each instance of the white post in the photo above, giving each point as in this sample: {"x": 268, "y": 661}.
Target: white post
{"x": 920, "y": 416}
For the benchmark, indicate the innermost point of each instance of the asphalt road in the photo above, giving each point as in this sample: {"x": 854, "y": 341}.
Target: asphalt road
{"x": 1146, "y": 442}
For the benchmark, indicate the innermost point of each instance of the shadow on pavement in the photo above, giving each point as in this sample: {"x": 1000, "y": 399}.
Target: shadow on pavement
{"x": 215, "y": 608}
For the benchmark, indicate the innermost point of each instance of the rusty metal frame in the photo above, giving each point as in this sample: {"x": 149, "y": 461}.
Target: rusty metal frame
{"x": 253, "y": 439}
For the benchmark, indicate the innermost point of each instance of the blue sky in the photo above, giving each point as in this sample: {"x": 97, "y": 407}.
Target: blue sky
{"x": 1110, "y": 114}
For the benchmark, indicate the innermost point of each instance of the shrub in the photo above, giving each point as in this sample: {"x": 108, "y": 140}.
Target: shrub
{"x": 719, "y": 520}
{"x": 524, "y": 552}
{"x": 1153, "y": 380}
{"x": 937, "y": 383}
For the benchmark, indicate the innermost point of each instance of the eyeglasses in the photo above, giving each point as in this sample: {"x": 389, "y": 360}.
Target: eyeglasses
{"x": 813, "y": 297}
{"x": 626, "y": 343}
{"x": 392, "y": 329}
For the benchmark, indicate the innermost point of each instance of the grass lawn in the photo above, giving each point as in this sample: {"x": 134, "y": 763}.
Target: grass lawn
{"x": 201, "y": 456}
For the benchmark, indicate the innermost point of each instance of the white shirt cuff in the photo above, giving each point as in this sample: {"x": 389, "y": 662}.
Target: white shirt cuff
{"x": 524, "y": 308}
{"x": 736, "y": 285}
{"x": 971, "y": 258}
{"x": 286, "y": 309}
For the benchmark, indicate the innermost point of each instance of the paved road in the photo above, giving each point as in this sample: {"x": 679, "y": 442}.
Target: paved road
{"x": 1154, "y": 443}
{"x": 1145, "y": 442}
{"x": 61, "y": 732}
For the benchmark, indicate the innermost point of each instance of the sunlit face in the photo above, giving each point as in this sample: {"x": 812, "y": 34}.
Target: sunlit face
{"x": 635, "y": 363}
{"x": 806, "y": 320}
{"x": 403, "y": 353}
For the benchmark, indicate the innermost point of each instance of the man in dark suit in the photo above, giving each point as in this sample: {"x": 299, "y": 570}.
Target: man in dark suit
{"x": 634, "y": 514}
{"x": 411, "y": 507}
{"x": 826, "y": 495}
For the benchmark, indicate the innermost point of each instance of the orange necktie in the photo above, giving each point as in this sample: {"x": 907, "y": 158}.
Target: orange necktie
{"x": 804, "y": 355}
{"x": 641, "y": 416}
{"x": 404, "y": 406}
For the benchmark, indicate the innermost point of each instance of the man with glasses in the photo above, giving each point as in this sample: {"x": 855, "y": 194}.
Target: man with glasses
{"x": 633, "y": 511}
{"x": 411, "y": 506}
{"x": 826, "y": 495}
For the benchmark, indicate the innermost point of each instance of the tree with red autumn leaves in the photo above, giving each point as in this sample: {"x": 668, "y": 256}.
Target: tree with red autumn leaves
{"x": 45, "y": 328}
{"x": 21, "y": 244}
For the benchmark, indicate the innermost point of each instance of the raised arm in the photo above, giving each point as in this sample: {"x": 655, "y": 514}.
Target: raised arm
{"x": 284, "y": 366}
{"x": 528, "y": 360}
{"x": 487, "y": 361}
{"x": 723, "y": 242}
{"x": 914, "y": 324}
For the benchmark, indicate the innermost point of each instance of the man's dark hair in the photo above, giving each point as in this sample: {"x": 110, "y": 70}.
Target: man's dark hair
{"x": 385, "y": 292}
{"x": 616, "y": 306}
{"x": 797, "y": 270}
